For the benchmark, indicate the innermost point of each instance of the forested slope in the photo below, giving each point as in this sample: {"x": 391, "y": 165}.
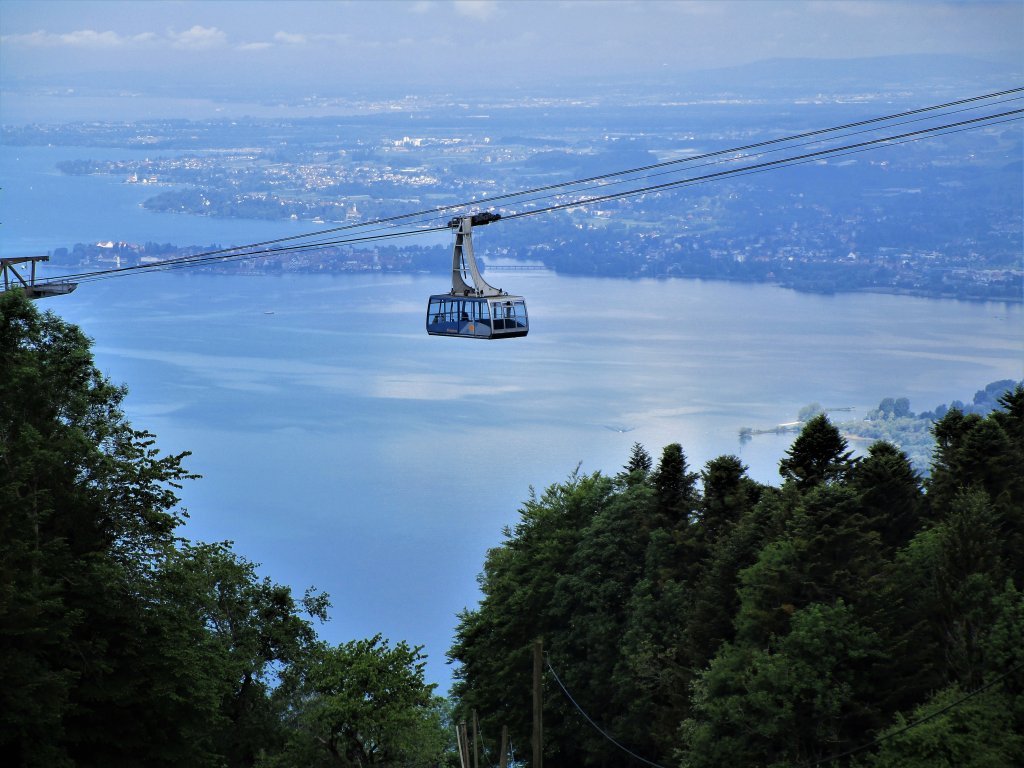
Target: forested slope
{"x": 853, "y": 612}
{"x": 123, "y": 644}
{"x": 854, "y": 615}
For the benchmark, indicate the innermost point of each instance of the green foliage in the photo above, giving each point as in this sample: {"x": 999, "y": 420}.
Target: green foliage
{"x": 818, "y": 455}
{"x": 361, "y": 703}
{"x": 855, "y": 611}
{"x": 523, "y": 601}
{"x": 809, "y": 411}
{"x": 800, "y": 699}
{"x": 913, "y": 436}
{"x": 979, "y": 732}
{"x": 120, "y": 643}
{"x": 638, "y": 468}
{"x": 743, "y": 625}
{"x": 87, "y": 505}
{"x": 894, "y": 422}
{"x": 675, "y": 491}
{"x": 889, "y": 492}
{"x": 243, "y": 629}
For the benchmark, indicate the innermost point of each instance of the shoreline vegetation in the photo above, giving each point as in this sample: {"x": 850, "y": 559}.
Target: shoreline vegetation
{"x": 894, "y": 422}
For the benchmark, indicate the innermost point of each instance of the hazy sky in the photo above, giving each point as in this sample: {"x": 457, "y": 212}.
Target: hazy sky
{"x": 332, "y": 46}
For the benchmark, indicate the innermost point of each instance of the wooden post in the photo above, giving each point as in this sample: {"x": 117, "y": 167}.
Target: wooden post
{"x": 463, "y": 745}
{"x": 503, "y": 756}
{"x": 538, "y": 701}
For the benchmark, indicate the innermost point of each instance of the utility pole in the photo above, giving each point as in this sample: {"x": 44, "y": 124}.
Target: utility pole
{"x": 538, "y": 704}
{"x": 503, "y": 756}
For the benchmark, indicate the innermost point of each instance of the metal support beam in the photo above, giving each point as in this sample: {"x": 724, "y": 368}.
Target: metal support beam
{"x": 13, "y": 279}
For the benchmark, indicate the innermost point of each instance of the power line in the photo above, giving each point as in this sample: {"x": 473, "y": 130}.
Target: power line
{"x": 590, "y": 720}
{"x": 915, "y": 723}
{"x": 720, "y": 159}
{"x": 821, "y": 761}
{"x": 773, "y": 164}
{"x": 239, "y": 252}
{"x": 266, "y": 248}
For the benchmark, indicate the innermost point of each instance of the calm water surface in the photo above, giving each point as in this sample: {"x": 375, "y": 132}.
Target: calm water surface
{"x": 343, "y": 447}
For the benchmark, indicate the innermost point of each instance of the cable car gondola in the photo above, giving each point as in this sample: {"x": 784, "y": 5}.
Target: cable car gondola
{"x": 477, "y": 311}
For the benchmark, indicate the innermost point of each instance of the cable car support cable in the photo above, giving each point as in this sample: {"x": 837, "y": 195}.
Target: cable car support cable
{"x": 385, "y": 227}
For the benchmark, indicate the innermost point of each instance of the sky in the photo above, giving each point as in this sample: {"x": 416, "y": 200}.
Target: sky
{"x": 354, "y": 46}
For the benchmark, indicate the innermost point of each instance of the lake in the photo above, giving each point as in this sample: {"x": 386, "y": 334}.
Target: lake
{"x": 341, "y": 446}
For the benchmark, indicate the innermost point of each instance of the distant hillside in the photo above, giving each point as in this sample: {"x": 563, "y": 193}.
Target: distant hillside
{"x": 929, "y": 71}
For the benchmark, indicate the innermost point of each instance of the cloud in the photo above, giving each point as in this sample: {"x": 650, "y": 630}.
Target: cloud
{"x": 481, "y": 10}
{"x": 82, "y": 38}
{"x": 290, "y": 38}
{"x": 198, "y": 38}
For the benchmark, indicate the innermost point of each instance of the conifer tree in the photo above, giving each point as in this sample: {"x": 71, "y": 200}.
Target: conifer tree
{"x": 819, "y": 455}
{"x": 675, "y": 490}
{"x": 890, "y": 494}
{"x": 638, "y": 468}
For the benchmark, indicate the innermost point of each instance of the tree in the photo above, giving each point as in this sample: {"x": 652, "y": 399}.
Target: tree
{"x": 675, "y": 491}
{"x": 735, "y": 526}
{"x": 886, "y": 408}
{"x": 798, "y": 700}
{"x": 592, "y": 600}
{"x": 975, "y": 732}
{"x": 967, "y": 577}
{"x": 818, "y": 455}
{"x": 120, "y": 644}
{"x": 87, "y": 507}
{"x": 728, "y": 494}
{"x": 362, "y": 703}
{"x": 809, "y": 411}
{"x": 654, "y": 670}
{"x": 243, "y": 630}
{"x": 890, "y": 493}
{"x": 493, "y": 644}
{"x": 984, "y": 453}
{"x": 638, "y": 468}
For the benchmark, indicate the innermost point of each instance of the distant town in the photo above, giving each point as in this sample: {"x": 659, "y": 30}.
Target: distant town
{"x": 940, "y": 218}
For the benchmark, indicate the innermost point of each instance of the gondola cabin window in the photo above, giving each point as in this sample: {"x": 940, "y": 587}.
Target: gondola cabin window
{"x": 480, "y": 318}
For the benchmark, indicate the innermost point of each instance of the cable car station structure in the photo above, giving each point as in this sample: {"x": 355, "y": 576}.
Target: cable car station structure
{"x": 12, "y": 278}
{"x": 474, "y": 309}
